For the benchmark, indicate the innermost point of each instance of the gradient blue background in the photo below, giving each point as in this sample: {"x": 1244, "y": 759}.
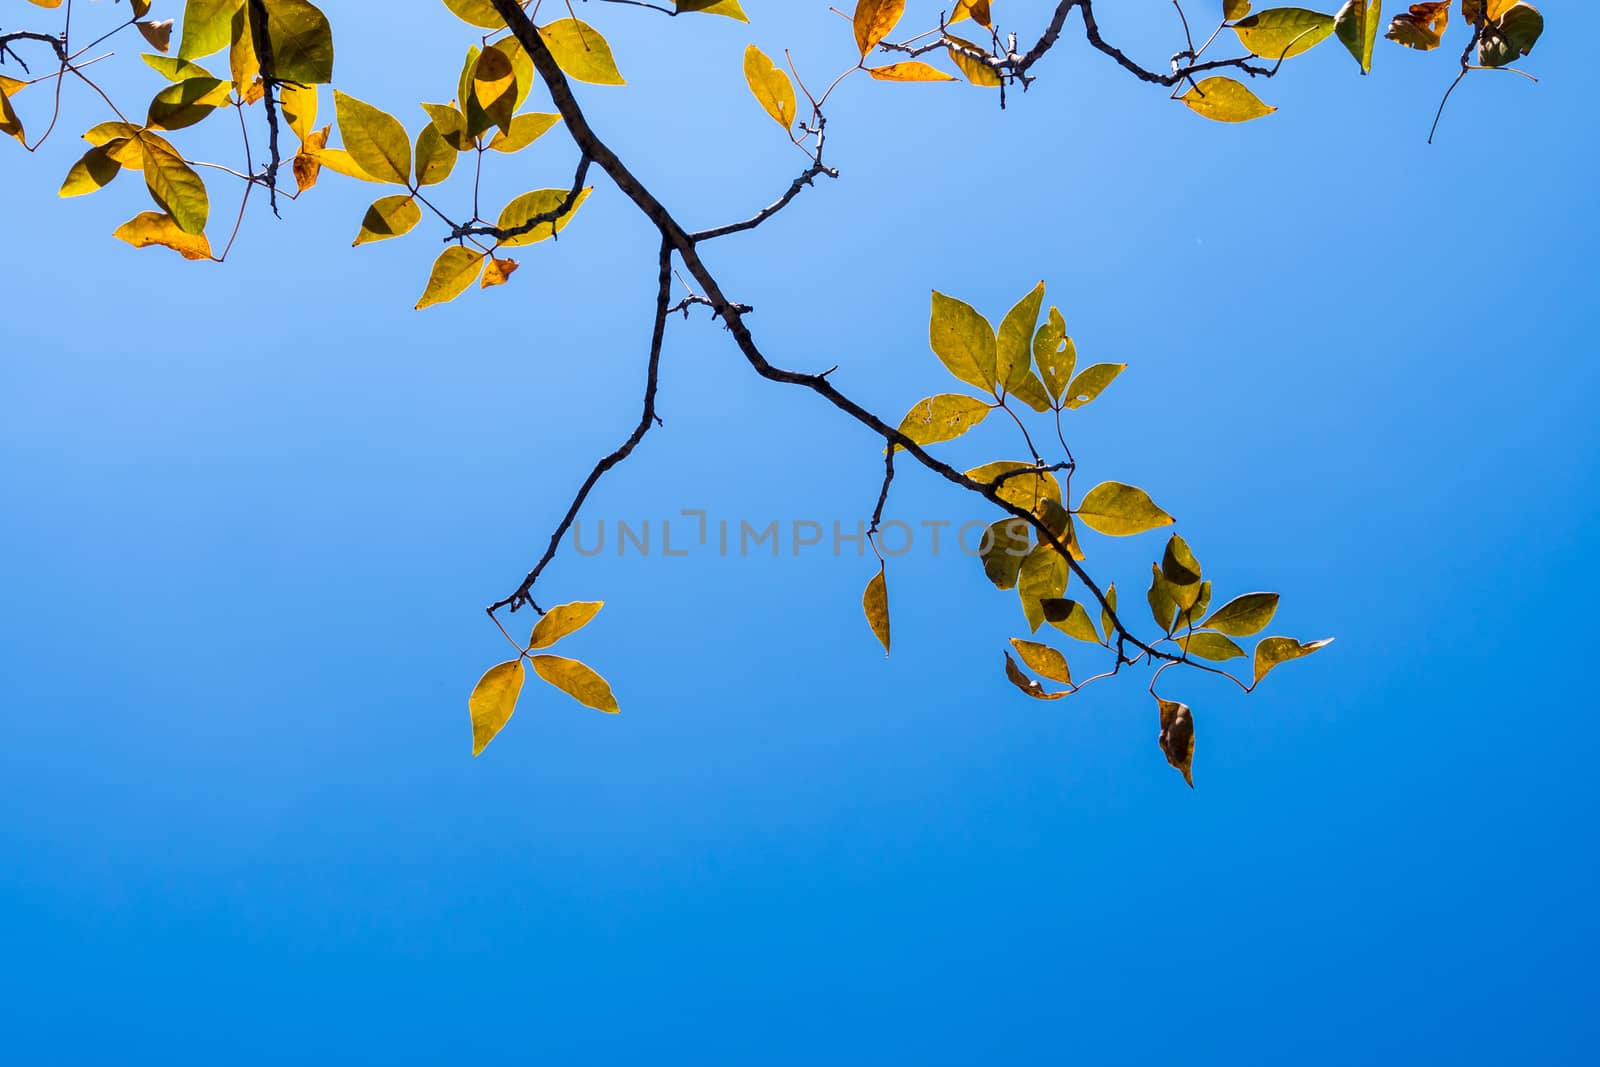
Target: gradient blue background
{"x": 252, "y": 515}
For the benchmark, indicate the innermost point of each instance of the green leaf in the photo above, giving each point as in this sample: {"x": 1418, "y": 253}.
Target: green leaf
{"x": 1013, "y": 343}
{"x": 453, "y": 272}
{"x": 389, "y": 216}
{"x": 1357, "y": 26}
{"x": 1191, "y": 615}
{"x": 875, "y": 602}
{"x": 525, "y": 129}
{"x": 1024, "y": 490}
{"x": 581, "y": 52}
{"x": 1004, "y": 547}
{"x": 1026, "y": 684}
{"x": 493, "y": 700}
{"x": 1283, "y": 32}
{"x": 1043, "y": 660}
{"x": 174, "y": 69}
{"x": 1210, "y": 646}
{"x": 302, "y": 42}
{"x": 562, "y": 620}
{"x": 943, "y": 418}
{"x": 1272, "y": 651}
{"x": 963, "y": 340}
{"x": 375, "y": 139}
{"x": 1072, "y": 619}
{"x": 1163, "y": 608}
{"x": 530, "y": 206}
{"x": 1225, "y": 100}
{"x": 577, "y": 680}
{"x": 1244, "y": 615}
{"x": 770, "y": 86}
{"x": 1121, "y": 510}
{"x": 1235, "y": 9}
{"x": 207, "y": 27}
{"x": 1089, "y": 384}
{"x": 1043, "y": 577}
{"x": 1055, "y": 354}
{"x": 182, "y": 105}
{"x": 1511, "y": 36}
{"x": 1177, "y": 737}
{"x": 174, "y": 186}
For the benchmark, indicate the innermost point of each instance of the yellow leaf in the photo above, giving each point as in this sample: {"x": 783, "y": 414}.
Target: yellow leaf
{"x": 530, "y": 206}
{"x": 1071, "y": 618}
{"x": 476, "y": 13}
{"x": 578, "y": 681}
{"x": 963, "y": 340}
{"x": 1092, "y": 382}
{"x": 1471, "y": 9}
{"x": 435, "y": 157}
{"x": 173, "y": 184}
{"x": 1055, "y": 354}
{"x": 563, "y": 619}
{"x": 244, "y": 66}
{"x": 455, "y": 269}
{"x": 1271, "y": 651}
{"x": 1283, "y": 32}
{"x": 169, "y": 67}
{"x": 494, "y": 87}
{"x": 93, "y": 172}
{"x": 1043, "y": 660}
{"x": 875, "y": 602}
{"x": 389, "y": 216}
{"x": 1210, "y": 646}
{"x": 1043, "y": 577}
{"x": 185, "y": 103}
{"x": 9, "y": 123}
{"x": 943, "y": 418}
{"x": 976, "y": 10}
{"x": 580, "y": 51}
{"x": 1177, "y": 737}
{"x": 302, "y": 42}
{"x": 340, "y": 162}
{"x": 1023, "y": 484}
{"x": 12, "y": 87}
{"x": 299, "y": 104}
{"x": 1120, "y": 510}
{"x": 493, "y": 700}
{"x": 1422, "y": 27}
{"x": 141, "y": 8}
{"x": 524, "y": 130}
{"x": 771, "y": 86}
{"x": 909, "y": 71}
{"x": 875, "y": 20}
{"x": 729, "y": 8}
{"x": 159, "y": 34}
{"x": 207, "y": 27}
{"x": 968, "y": 57}
{"x": 1026, "y": 684}
{"x": 307, "y": 164}
{"x": 1235, "y": 9}
{"x": 1004, "y": 546}
{"x": 1225, "y": 100}
{"x": 375, "y": 139}
{"x": 452, "y": 126}
{"x": 151, "y": 228}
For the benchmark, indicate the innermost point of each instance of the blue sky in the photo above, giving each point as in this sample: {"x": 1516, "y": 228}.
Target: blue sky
{"x": 253, "y": 513}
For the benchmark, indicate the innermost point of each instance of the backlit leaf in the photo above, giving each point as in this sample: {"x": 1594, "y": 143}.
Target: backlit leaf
{"x": 159, "y": 34}
{"x": 1163, "y": 608}
{"x": 1225, "y": 100}
{"x": 1510, "y": 36}
{"x": 476, "y": 13}
{"x": 302, "y": 42}
{"x": 185, "y": 103}
{"x": 1283, "y": 32}
{"x": 911, "y": 70}
{"x": 1023, "y": 485}
{"x": 1028, "y": 685}
{"x": 562, "y": 621}
{"x": 1071, "y": 618}
{"x": 1190, "y": 616}
{"x": 173, "y": 184}
{"x": 1106, "y": 624}
{"x": 1032, "y": 393}
{"x": 1178, "y": 564}
{"x": 943, "y": 417}
{"x": 1210, "y": 646}
{"x": 174, "y": 69}
{"x": 1235, "y": 9}
{"x": 493, "y": 700}
{"x": 497, "y": 272}
{"x": 1091, "y": 381}
{"x": 454, "y": 270}
{"x": 530, "y": 206}
{"x": 93, "y": 172}
{"x": 1422, "y": 27}
{"x": 577, "y": 680}
{"x": 581, "y": 52}
{"x": 1357, "y": 27}
{"x": 525, "y": 129}
{"x": 1177, "y": 737}
{"x": 963, "y": 340}
{"x": 1271, "y": 651}
{"x": 375, "y": 139}
{"x": 771, "y": 86}
{"x": 1043, "y": 660}
{"x": 152, "y": 228}
{"x": 1014, "y": 341}
{"x": 1055, "y": 354}
{"x": 452, "y": 126}
{"x": 730, "y": 8}
{"x": 207, "y": 27}
{"x": 966, "y": 56}
{"x": 494, "y": 87}
{"x": 435, "y": 157}
{"x": 299, "y": 104}
{"x": 389, "y": 216}
{"x": 1003, "y": 548}
{"x": 1043, "y": 577}
{"x": 976, "y": 10}
{"x": 1244, "y": 615}
{"x": 1120, "y": 510}
{"x": 874, "y": 20}
{"x": 875, "y": 602}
